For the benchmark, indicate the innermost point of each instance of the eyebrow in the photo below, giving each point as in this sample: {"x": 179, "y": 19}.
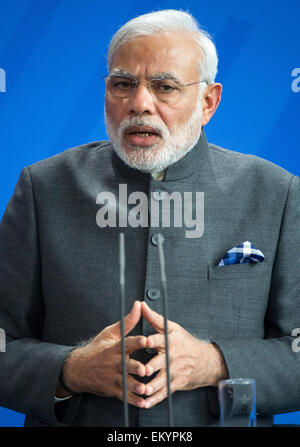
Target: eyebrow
{"x": 166, "y": 75}
{"x": 161, "y": 75}
{"x": 121, "y": 72}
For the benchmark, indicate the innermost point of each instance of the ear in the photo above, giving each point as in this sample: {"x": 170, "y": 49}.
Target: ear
{"x": 210, "y": 101}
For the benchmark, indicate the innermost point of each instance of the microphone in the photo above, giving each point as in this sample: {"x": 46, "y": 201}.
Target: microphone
{"x": 165, "y": 302}
{"x": 122, "y": 292}
{"x": 165, "y": 311}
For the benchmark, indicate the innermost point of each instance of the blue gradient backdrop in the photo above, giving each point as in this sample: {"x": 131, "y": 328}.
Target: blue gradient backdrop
{"x": 53, "y": 53}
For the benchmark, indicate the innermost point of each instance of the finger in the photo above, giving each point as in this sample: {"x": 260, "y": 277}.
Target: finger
{"x": 135, "y": 367}
{"x": 134, "y": 385}
{"x": 134, "y": 343}
{"x": 157, "y": 363}
{"x": 156, "y": 398}
{"x": 130, "y": 321}
{"x": 134, "y": 399}
{"x": 156, "y": 320}
{"x": 156, "y": 341}
{"x": 156, "y": 384}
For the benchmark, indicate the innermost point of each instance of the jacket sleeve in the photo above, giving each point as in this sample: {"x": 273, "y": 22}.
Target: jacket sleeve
{"x": 273, "y": 361}
{"x": 29, "y": 367}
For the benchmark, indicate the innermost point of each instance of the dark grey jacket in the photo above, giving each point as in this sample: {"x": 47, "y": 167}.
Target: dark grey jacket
{"x": 59, "y": 279}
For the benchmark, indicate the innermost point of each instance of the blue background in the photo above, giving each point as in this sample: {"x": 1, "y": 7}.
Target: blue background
{"x": 53, "y": 53}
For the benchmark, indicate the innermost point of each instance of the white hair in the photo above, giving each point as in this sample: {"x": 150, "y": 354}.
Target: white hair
{"x": 169, "y": 20}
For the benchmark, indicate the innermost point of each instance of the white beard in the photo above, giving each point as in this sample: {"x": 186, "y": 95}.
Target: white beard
{"x": 173, "y": 145}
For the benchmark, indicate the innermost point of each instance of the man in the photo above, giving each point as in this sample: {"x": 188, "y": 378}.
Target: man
{"x": 59, "y": 261}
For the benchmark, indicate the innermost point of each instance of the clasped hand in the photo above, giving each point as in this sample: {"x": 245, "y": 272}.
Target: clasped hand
{"x": 97, "y": 367}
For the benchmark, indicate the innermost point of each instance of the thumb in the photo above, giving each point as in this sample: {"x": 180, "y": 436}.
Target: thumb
{"x": 156, "y": 320}
{"x": 130, "y": 321}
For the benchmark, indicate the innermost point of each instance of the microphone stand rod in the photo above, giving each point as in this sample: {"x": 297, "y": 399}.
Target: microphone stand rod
{"x": 165, "y": 301}
{"x": 122, "y": 290}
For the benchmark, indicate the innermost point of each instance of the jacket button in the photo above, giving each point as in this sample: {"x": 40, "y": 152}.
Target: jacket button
{"x": 159, "y": 194}
{"x": 154, "y": 239}
{"x": 153, "y": 294}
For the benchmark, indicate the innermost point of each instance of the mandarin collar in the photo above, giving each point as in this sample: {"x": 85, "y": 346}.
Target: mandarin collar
{"x": 185, "y": 167}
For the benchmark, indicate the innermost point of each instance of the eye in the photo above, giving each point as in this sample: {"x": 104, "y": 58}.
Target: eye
{"x": 164, "y": 87}
{"x": 119, "y": 83}
{"x": 123, "y": 84}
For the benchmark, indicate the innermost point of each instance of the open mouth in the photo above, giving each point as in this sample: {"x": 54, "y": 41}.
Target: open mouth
{"x": 141, "y": 136}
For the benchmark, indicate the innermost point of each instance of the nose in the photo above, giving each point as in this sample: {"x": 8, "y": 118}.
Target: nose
{"x": 141, "y": 102}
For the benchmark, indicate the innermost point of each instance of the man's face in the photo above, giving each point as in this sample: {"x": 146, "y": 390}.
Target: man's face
{"x": 148, "y": 133}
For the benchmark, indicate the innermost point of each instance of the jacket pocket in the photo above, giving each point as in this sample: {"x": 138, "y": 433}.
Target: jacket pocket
{"x": 236, "y": 270}
{"x": 237, "y": 299}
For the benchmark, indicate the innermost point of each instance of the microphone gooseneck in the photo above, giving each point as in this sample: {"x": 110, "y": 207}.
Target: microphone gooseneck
{"x": 165, "y": 302}
{"x": 122, "y": 292}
